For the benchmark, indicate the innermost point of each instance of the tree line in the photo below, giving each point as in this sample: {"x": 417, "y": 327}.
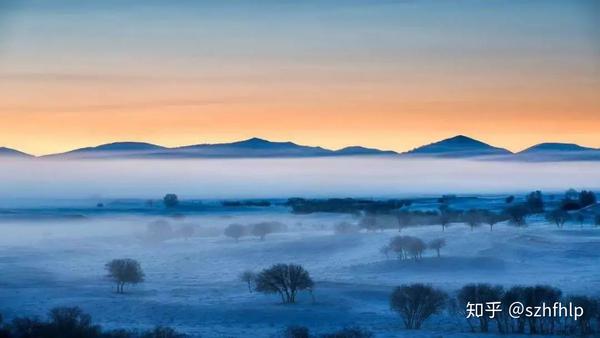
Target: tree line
{"x": 570, "y": 208}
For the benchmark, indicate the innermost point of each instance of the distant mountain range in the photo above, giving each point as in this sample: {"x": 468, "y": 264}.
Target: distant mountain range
{"x": 7, "y": 152}
{"x": 458, "y": 147}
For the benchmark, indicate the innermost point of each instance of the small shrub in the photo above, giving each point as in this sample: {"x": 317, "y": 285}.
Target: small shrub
{"x": 349, "y": 332}
{"x": 296, "y": 332}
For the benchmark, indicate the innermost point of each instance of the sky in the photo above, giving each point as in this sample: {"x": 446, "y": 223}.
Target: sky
{"x": 390, "y": 74}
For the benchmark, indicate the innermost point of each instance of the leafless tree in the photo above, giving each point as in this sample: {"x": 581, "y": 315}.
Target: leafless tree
{"x": 249, "y": 278}
{"x": 437, "y": 244}
{"x": 284, "y": 279}
{"x": 235, "y": 231}
{"x": 558, "y": 217}
{"x": 123, "y": 271}
{"x": 416, "y": 303}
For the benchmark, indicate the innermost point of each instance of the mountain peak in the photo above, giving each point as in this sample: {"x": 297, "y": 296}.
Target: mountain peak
{"x": 555, "y": 147}
{"x": 458, "y": 146}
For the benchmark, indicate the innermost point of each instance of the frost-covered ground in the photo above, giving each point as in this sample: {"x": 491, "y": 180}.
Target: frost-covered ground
{"x": 193, "y": 284}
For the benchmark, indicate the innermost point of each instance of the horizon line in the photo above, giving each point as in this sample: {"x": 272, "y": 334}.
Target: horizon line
{"x": 399, "y": 152}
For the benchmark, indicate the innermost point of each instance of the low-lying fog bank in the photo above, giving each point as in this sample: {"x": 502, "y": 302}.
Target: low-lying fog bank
{"x": 266, "y": 178}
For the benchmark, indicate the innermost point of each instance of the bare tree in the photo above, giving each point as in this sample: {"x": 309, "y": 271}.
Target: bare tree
{"x": 385, "y": 250}
{"x": 368, "y": 222}
{"x": 479, "y": 294}
{"x": 417, "y": 302}
{"x": 249, "y": 278}
{"x": 284, "y": 279}
{"x": 437, "y": 244}
{"x": 235, "y": 231}
{"x": 158, "y": 231}
{"x": 403, "y": 219}
{"x": 123, "y": 271}
{"x": 186, "y": 231}
{"x": 416, "y": 247}
{"x": 558, "y": 217}
{"x": 580, "y": 218}
{"x": 473, "y": 218}
{"x": 517, "y": 214}
{"x": 491, "y": 218}
{"x": 262, "y": 229}
{"x": 407, "y": 246}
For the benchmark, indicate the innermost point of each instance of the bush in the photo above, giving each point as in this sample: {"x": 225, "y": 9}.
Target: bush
{"x": 296, "y": 332}
{"x": 72, "y": 322}
{"x": 161, "y": 332}
{"x": 123, "y": 271}
{"x": 591, "y": 312}
{"x": 416, "y": 303}
{"x": 284, "y": 279}
{"x": 350, "y": 332}
{"x": 64, "y": 322}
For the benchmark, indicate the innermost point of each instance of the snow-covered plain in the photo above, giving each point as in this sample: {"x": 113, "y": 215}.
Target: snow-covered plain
{"x": 193, "y": 284}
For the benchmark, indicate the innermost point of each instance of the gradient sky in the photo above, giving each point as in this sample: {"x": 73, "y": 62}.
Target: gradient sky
{"x": 383, "y": 73}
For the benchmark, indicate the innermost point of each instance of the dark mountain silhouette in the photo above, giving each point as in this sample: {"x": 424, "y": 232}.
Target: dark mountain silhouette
{"x": 357, "y": 150}
{"x": 558, "y": 152}
{"x": 12, "y": 153}
{"x": 457, "y": 147}
{"x": 254, "y": 147}
{"x": 111, "y": 150}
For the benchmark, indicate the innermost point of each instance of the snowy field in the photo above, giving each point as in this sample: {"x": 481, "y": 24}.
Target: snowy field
{"x": 192, "y": 284}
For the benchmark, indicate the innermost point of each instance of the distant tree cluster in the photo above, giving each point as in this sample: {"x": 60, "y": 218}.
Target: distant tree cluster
{"x": 72, "y": 322}
{"x": 161, "y": 230}
{"x": 345, "y": 228}
{"x": 171, "y": 200}
{"x": 246, "y": 203}
{"x": 529, "y": 296}
{"x": 574, "y": 200}
{"x": 260, "y": 230}
{"x": 344, "y": 205}
{"x": 409, "y": 247}
{"x": 415, "y": 303}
